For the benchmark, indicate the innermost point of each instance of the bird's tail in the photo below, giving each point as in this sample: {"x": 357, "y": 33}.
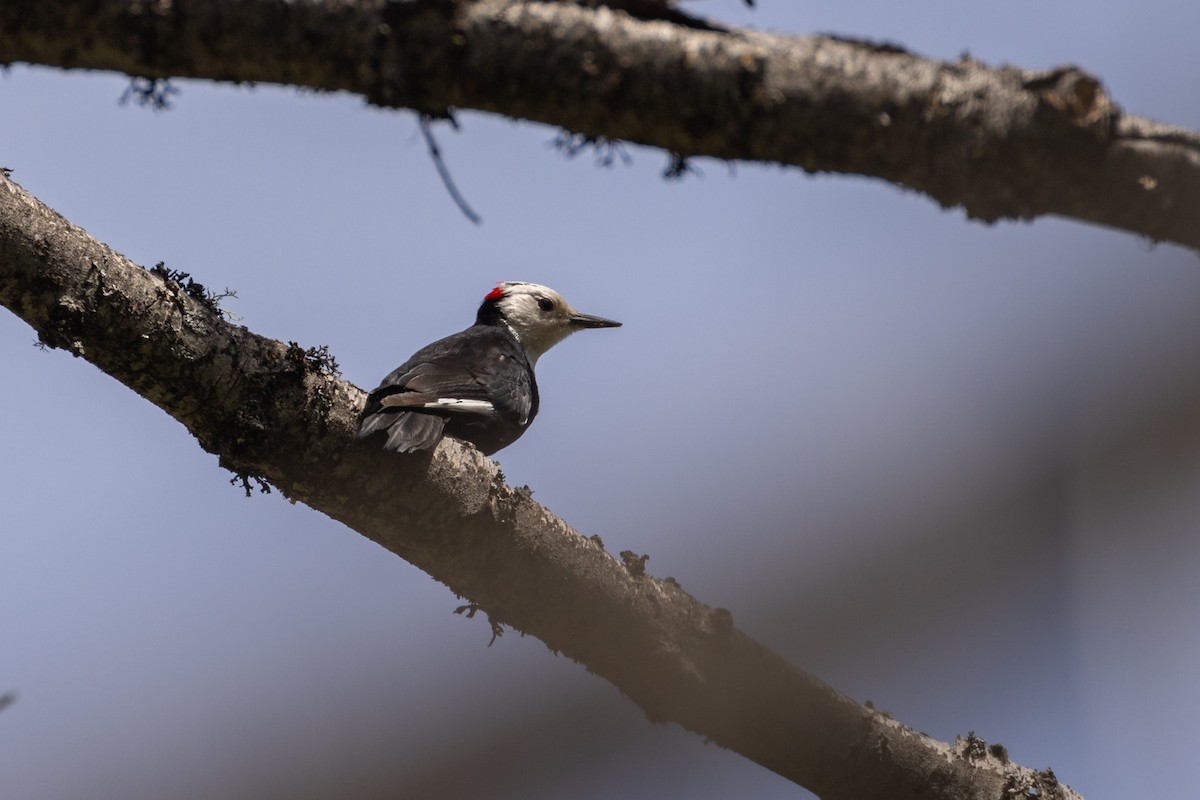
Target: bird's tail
{"x": 407, "y": 430}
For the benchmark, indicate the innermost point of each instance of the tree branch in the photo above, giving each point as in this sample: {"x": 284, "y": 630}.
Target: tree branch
{"x": 280, "y": 413}
{"x": 1000, "y": 143}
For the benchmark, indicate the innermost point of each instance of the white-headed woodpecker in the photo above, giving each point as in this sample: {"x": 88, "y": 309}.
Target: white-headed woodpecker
{"x": 476, "y": 385}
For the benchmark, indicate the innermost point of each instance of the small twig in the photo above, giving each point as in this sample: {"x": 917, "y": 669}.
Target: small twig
{"x": 157, "y": 94}
{"x": 435, "y": 153}
{"x": 679, "y": 166}
{"x": 608, "y": 151}
{"x": 471, "y": 609}
{"x": 246, "y": 480}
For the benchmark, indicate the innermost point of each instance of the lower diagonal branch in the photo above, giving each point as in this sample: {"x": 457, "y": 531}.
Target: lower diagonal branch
{"x": 269, "y": 411}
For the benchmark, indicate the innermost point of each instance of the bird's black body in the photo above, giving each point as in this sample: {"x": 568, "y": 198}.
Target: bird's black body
{"x": 498, "y": 373}
{"x": 478, "y": 384}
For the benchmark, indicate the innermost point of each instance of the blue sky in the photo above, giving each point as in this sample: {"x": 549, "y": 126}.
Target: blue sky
{"x": 947, "y": 467}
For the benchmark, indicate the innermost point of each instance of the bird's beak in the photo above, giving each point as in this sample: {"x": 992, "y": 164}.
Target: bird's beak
{"x": 578, "y": 320}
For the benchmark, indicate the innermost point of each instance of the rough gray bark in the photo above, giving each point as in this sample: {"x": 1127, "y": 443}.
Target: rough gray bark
{"x": 272, "y": 410}
{"x": 1001, "y": 143}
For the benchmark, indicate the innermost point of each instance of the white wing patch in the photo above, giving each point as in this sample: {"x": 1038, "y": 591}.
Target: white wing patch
{"x": 465, "y": 406}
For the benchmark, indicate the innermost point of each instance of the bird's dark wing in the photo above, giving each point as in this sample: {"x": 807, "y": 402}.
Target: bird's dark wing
{"x": 475, "y": 385}
{"x": 440, "y": 378}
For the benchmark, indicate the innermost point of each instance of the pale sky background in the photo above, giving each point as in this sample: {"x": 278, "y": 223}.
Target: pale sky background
{"x": 950, "y": 468}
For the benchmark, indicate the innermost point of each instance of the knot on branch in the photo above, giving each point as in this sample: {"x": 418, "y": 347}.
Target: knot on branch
{"x": 1076, "y": 97}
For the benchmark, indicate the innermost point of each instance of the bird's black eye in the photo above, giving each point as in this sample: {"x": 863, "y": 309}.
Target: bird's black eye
{"x": 545, "y": 304}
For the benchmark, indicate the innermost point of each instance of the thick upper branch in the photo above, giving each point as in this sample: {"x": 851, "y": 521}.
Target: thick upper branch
{"x": 267, "y": 410}
{"x": 1001, "y": 143}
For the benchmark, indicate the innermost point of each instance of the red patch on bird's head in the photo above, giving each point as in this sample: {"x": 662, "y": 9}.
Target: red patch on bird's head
{"x": 495, "y": 294}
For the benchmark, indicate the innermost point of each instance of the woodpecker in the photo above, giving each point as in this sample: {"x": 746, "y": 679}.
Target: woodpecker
{"x": 478, "y": 384}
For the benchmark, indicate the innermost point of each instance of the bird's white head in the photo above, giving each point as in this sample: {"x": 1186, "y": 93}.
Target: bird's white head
{"x": 537, "y": 315}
